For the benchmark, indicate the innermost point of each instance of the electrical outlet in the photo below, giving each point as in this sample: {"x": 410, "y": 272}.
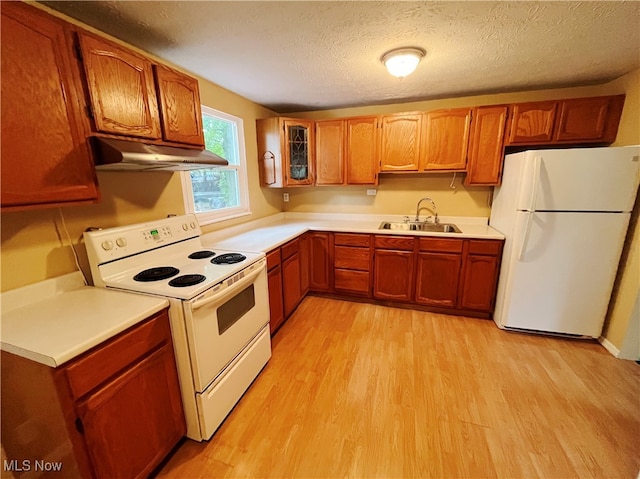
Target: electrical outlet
{"x": 285, "y": 197}
{"x": 372, "y": 192}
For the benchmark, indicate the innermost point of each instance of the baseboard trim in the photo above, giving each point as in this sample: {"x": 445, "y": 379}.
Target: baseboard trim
{"x": 608, "y": 345}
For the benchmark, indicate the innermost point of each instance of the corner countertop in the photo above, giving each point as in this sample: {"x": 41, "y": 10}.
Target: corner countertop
{"x": 268, "y": 233}
{"x": 58, "y": 319}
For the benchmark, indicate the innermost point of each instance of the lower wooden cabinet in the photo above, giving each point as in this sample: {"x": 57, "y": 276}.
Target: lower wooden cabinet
{"x": 393, "y": 264}
{"x": 352, "y": 264}
{"x": 459, "y": 275}
{"x": 288, "y": 279}
{"x": 320, "y": 261}
{"x": 291, "y": 291}
{"x": 480, "y": 277}
{"x": 118, "y": 406}
{"x": 438, "y": 274}
{"x": 274, "y": 279}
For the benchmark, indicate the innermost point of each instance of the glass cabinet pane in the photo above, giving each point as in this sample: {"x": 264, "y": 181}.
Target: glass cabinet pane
{"x": 298, "y": 137}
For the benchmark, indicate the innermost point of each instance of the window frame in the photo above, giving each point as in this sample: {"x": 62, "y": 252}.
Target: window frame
{"x": 244, "y": 208}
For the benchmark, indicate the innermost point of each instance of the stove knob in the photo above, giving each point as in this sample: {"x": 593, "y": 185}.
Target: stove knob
{"x": 122, "y": 242}
{"x": 107, "y": 245}
{"x": 185, "y": 226}
{"x": 193, "y": 225}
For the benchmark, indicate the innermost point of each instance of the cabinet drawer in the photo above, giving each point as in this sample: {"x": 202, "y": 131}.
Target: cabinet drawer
{"x": 348, "y": 257}
{"x": 352, "y": 281}
{"x": 487, "y": 247}
{"x": 290, "y": 248}
{"x": 442, "y": 245}
{"x": 346, "y": 239}
{"x": 273, "y": 258}
{"x": 98, "y": 365}
{"x": 394, "y": 242}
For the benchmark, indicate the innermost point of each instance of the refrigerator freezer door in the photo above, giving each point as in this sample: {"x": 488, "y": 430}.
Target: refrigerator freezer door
{"x": 562, "y": 278}
{"x": 581, "y": 179}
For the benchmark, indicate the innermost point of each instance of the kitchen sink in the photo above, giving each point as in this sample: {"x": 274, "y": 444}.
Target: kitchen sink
{"x": 420, "y": 226}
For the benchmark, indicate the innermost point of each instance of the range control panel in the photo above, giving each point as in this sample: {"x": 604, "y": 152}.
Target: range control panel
{"x": 106, "y": 245}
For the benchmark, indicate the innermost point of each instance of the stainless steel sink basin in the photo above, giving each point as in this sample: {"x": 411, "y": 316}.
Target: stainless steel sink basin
{"x": 419, "y": 226}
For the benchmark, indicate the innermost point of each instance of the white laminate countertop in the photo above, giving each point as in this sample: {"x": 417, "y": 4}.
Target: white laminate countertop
{"x": 268, "y": 233}
{"x": 56, "y": 320}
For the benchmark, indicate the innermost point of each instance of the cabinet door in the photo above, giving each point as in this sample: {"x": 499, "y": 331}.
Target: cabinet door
{"x": 486, "y": 146}
{"x": 291, "y": 292}
{"x": 401, "y": 142}
{"x": 121, "y": 87}
{"x": 134, "y": 421}
{"x": 479, "y": 283}
{"x": 305, "y": 263}
{"x": 362, "y": 151}
{"x": 393, "y": 275}
{"x": 330, "y": 136}
{"x": 532, "y": 123}
{"x": 437, "y": 279}
{"x": 179, "y": 106}
{"x": 320, "y": 276}
{"x": 276, "y": 307}
{"x": 46, "y": 160}
{"x": 446, "y": 139}
{"x": 589, "y": 119}
{"x": 299, "y": 152}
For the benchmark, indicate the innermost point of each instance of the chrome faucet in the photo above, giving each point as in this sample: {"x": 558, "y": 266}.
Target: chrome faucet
{"x": 435, "y": 212}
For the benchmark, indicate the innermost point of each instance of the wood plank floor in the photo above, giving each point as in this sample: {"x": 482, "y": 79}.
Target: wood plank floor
{"x": 358, "y": 390}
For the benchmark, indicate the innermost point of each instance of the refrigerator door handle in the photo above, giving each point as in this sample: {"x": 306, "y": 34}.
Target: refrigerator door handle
{"x": 535, "y": 178}
{"x": 527, "y": 232}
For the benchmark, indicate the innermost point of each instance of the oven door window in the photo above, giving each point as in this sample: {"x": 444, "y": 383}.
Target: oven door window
{"x": 235, "y": 308}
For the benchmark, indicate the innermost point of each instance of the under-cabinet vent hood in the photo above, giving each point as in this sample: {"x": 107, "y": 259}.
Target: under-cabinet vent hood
{"x": 125, "y": 155}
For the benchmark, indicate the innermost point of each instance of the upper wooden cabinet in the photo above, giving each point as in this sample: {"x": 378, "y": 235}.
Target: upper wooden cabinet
{"x": 486, "y": 146}
{"x": 46, "y": 160}
{"x": 121, "y": 88}
{"x": 330, "y": 147}
{"x": 347, "y": 151}
{"x": 180, "y": 109}
{"x": 286, "y": 148}
{"x": 572, "y": 121}
{"x": 589, "y": 119}
{"x": 446, "y": 137}
{"x": 400, "y": 145}
{"x": 532, "y": 123}
{"x": 362, "y": 150}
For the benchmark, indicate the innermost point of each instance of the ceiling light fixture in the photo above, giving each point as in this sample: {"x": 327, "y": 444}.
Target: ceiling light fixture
{"x": 402, "y": 61}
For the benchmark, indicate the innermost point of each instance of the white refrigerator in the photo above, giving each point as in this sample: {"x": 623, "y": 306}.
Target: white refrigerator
{"x": 564, "y": 214}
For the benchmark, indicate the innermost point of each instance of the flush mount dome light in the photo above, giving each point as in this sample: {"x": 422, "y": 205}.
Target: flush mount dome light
{"x": 402, "y": 61}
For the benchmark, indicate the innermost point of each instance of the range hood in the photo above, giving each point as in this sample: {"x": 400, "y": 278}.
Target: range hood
{"x": 126, "y": 155}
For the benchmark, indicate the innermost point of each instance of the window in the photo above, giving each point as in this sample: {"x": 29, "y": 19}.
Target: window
{"x": 220, "y": 193}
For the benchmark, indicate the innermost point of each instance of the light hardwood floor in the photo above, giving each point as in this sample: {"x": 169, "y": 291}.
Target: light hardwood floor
{"x": 358, "y": 390}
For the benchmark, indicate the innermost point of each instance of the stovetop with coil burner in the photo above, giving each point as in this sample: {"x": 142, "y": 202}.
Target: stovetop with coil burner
{"x": 162, "y": 258}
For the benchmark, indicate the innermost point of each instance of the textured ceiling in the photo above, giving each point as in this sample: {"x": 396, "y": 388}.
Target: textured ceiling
{"x": 313, "y": 55}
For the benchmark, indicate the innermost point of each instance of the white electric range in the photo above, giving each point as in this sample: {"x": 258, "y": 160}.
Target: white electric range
{"x": 219, "y": 309}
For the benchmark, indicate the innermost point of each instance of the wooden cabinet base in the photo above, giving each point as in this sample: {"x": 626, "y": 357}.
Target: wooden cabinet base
{"x": 113, "y": 412}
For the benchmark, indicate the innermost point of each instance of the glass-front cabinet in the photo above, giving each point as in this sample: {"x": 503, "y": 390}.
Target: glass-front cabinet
{"x": 299, "y": 148}
{"x": 286, "y": 148}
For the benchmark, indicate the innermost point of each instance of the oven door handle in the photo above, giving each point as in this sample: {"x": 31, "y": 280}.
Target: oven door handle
{"x": 229, "y": 290}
